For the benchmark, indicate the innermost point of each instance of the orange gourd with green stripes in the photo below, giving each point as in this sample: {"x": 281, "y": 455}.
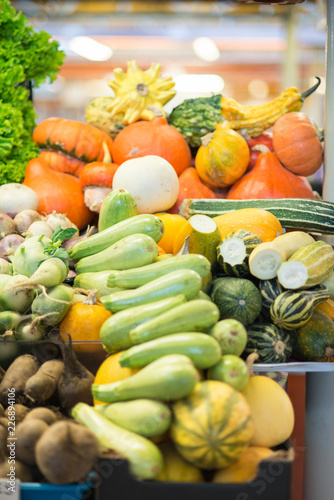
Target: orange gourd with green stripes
{"x": 212, "y": 426}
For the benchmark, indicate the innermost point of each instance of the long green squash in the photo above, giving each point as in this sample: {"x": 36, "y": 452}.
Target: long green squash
{"x": 293, "y": 213}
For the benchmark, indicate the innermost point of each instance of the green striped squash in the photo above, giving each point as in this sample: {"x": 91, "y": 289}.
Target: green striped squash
{"x": 293, "y": 213}
{"x": 234, "y": 250}
{"x": 308, "y": 266}
{"x": 272, "y": 344}
{"x": 212, "y": 426}
{"x": 270, "y": 289}
{"x": 236, "y": 298}
{"x": 291, "y": 309}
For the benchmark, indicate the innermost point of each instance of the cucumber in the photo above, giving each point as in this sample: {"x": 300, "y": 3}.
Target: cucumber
{"x": 139, "y": 224}
{"x": 118, "y": 205}
{"x": 293, "y": 213}
{"x": 184, "y": 281}
{"x": 135, "y": 250}
{"x": 168, "y": 378}
{"x": 114, "y": 332}
{"x": 203, "y": 350}
{"x": 146, "y": 417}
{"x": 133, "y": 278}
{"x": 195, "y": 315}
{"x": 95, "y": 281}
{"x": 144, "y": 457}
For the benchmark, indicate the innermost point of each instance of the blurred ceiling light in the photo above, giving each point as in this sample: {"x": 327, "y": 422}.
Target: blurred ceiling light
{"x": 199, "y": 83}
{"x": 206, "y": 49}
{"x": 90, "y": 49}
{"x": 258, "y": 89}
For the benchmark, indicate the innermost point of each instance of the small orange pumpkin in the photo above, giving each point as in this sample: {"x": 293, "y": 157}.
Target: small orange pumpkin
{"x": 269, "y": 179}
{"x": 152, "y": 137}
{"x": 223, "y": 157}
{"x": 57, "y": 191}
{"x": 296, "y": 143}
{"x": 75, "y": 138}
{"x": 62, "y": 162}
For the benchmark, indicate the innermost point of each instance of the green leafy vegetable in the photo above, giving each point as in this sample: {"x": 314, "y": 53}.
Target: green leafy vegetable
{"x": 53, "y": 249}
{"x": 25, "y": 55}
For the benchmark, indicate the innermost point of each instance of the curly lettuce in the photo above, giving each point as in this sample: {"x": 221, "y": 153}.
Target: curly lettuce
{"x": 25, "y": 56}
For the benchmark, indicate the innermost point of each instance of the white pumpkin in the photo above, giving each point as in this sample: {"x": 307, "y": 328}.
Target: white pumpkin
{"x": 151, "y": 180}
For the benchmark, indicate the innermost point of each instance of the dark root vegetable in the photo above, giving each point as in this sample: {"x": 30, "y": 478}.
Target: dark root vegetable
{"x": 19, "y": 371}
{"x": 41, "y": 413}
{"x": 75, "y": 383}
{"x": 20, "y": 411}
{"x": 41, "y": 386}
{"x": 22, "y": 471}
{"x": 66, "y": 452}
{"x": 9, "y": 244}
{"x": 28, "y": 433}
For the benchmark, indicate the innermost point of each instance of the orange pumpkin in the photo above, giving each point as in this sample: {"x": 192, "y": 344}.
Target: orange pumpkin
{"x": 297, "y": 144}
{"x": 223, "y": 157}
{"x": 75, "y": 138}
{"x": 269, "y": 179}
{"x": 57, "y": 191}
{"x": 62, "y": 162}
{"x": 190, "y": 186}
{"x": 152, "y": 137}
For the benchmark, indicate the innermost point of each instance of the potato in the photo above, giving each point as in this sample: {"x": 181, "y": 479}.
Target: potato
{"x": 28, "y": 433}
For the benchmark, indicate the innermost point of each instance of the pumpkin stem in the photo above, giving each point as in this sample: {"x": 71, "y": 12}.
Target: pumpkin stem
{"x": 142, "y": 89}
{"x": 310, "y": 90}
{"x": 185, "y": 247}
{"x": 251, "y": 358}
{"x": 91, "y": 299}
{"x": 329, "y": 351}
{"x": 321, "y": 134}
{"x": 206, "y": 139}
{"x": 156, "y": 111}
{"x": 107, "y": 156}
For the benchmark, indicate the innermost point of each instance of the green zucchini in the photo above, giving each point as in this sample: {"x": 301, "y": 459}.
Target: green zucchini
{"x": 135, "y": 277}
{"x": 139, "y": 224}
{"x": 272, "y": 344}
{"x": 145, "y": 417}
{"x": 183, "y": 281}
{"x": 203, "y": 350}
{"x": 168, "y": 378}
{"x": 132, "y": 251}
{"x": 144, "y": 457}
{"x": 114, "y": 332}
{"x": 293, "y": 213}
{"x": 308, "y": 266}
{"x": 195, "y": 315}
{"x": 234, "y": 250}
{"x": 118, "y": 205}
{"x": 292, "y": 309}
{"x": 95, "y": 281}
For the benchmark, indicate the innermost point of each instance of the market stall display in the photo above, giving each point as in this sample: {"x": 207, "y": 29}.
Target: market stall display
{"x": 257, "y": 257}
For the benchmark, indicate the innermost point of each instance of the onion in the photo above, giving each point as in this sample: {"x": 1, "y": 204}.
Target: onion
{"x": 7, "y": 225}
{"x": 16, "y": 197}
{"x": 38, "y": 228}
{"x": 9, "y": 244}
{"x": 61, "y": 220}
{"x": 25, "y": 218}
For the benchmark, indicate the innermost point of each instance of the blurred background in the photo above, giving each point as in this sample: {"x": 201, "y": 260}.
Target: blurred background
{"x": 246, "y": 51}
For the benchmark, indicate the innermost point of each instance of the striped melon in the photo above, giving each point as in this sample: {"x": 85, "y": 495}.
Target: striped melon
{"x": 234, "y": 250}
{"x": 293, "y": 309}
{"x": 212, "y": 426}
{"x": 272, "y": 344}
{"x": 236, "y": 298}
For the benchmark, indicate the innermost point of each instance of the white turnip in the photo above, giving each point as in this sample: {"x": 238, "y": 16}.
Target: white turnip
{"x": 16, "y": 197}
{"x": 25, "y": 218}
